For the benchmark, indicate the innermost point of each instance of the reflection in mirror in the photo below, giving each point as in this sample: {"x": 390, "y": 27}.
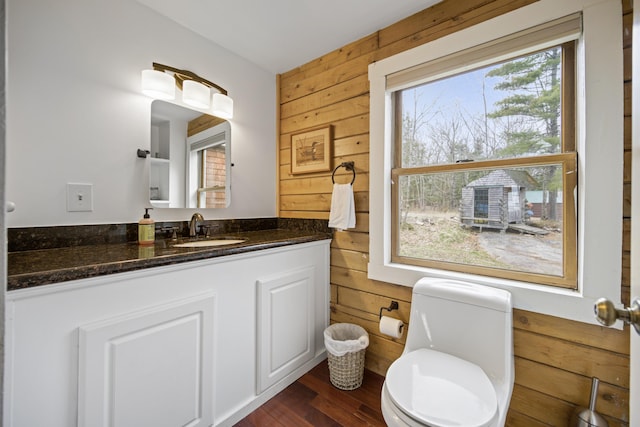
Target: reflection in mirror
{"x": 190, "y": 158}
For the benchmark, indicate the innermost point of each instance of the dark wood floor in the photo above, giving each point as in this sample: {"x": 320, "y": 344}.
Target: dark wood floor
{"x": 313, "y": 401}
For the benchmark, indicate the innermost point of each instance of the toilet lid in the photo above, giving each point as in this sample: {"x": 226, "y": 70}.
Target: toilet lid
{"x": 439, "y": 389}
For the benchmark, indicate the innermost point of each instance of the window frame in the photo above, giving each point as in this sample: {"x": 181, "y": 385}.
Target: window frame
{"x": 599, "y": 118}
{"x": 566, "y": 157}
{"x": 568, "y": 161}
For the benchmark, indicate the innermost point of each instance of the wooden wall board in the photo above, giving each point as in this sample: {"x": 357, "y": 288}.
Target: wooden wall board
{"x": 323, "y": 184}
{"x": 351, "y": 240}
{"x": 350, "y": 260}
{"x": 371, "y": 325}
{"x": 202, "y": 123}
{"x": 483, "y": 12}
{"x": 545, "y": 408}
{"x": 343, "y": 128}
{"x": 440, "y": 14}
{"x": 361, "y": 165}
{"x": 327, "y": 115}
{"x": 344, "y": 148}
{"x": 626, "y": 209}
{"x": 357, "y": 144}
{"x": 358, "y": 281}
{"x": 339, "y": 56}
{"x": 517, "y": 419}
{"x": 340, "y": 92}
{"x": 626, "y": 238}
{"x": 330, "y": 77}
{"x": 557, "y": 383}
{"x": 614, "y": 340}
{"x": 304, "y": 214}
{"x": 371, "y": 303}
{"x": 608, "y": 366}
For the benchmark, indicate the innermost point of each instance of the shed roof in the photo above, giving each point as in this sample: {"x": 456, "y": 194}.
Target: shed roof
{"x": 505, "y": 178}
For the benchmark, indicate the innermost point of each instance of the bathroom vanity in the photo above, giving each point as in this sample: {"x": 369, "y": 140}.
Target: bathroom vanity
{"x": 195, "y": 337}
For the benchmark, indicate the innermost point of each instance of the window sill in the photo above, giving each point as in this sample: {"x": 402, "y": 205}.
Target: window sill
{"x": 552, "y": 301}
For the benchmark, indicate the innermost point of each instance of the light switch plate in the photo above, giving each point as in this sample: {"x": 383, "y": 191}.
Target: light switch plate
{"x": 79, "y": 197}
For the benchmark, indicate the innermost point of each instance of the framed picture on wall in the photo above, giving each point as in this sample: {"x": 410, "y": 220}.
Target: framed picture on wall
{"x": 311, "y": 150}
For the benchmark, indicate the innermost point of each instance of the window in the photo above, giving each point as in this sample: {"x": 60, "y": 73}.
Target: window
{"x": 519, "y": 185}
{"x": 475, "y": 151}
{"x": 212, "y": 171}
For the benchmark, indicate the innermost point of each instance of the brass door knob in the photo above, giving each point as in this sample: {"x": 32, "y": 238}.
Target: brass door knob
{"x": 607, "y": 313}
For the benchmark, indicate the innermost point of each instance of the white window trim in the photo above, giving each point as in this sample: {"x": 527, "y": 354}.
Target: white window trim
{"x": 599, "y": 130}
{"x": 219, "y": 134}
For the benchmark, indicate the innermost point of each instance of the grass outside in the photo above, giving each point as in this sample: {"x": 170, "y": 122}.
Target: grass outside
{"x": 441, "y": 237}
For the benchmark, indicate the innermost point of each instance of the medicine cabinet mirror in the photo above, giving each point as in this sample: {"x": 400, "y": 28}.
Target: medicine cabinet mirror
{"x": 190, "y": 158}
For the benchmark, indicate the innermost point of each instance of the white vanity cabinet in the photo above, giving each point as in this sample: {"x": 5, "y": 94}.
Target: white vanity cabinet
{"x": 198, "y": 343}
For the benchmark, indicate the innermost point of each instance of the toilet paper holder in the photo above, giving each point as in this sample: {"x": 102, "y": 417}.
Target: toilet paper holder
{"x": 393, "y": 306}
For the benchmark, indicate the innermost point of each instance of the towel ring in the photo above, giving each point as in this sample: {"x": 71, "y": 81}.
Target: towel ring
{"x": 348, "y": 166}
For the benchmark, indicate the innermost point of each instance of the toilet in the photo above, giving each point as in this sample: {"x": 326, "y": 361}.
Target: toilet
{"x": 457, "y": 365}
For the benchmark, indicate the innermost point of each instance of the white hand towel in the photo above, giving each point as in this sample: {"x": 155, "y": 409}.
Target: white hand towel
{"x": 343, "y": 211}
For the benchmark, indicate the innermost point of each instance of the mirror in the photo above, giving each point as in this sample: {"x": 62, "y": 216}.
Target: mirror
{"x": 190, "y": 158}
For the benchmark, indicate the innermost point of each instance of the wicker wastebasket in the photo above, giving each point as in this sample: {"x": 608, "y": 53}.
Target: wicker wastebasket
{"x": 346, "y": 346}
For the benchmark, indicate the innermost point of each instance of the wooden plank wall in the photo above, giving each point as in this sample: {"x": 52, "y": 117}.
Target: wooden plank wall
{"x": 555, "y": 358}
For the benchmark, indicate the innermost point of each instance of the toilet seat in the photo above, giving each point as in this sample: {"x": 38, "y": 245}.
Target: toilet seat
{"x": 441, "y": 390}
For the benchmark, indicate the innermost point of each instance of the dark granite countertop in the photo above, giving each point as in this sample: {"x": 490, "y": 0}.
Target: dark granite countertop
{"x": 31, "y": 268}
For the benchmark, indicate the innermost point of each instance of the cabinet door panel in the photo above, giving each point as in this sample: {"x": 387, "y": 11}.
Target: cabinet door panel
{"x": 285, "y": 324}
{"x": 152, "y": 367}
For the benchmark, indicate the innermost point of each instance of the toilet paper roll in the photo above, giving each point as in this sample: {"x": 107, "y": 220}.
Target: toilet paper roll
{"x": 392, "y": 327}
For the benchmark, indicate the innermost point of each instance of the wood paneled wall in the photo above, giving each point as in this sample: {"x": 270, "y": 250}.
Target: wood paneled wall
{"x": 555, "y": 358}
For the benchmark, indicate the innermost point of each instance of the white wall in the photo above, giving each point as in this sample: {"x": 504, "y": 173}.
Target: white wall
{"x": 75, "y": 112}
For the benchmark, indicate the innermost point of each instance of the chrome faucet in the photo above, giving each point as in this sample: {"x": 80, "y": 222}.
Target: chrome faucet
{"x": 193, "y": 224}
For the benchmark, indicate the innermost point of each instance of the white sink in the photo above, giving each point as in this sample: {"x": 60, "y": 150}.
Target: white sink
{"x": 208, "y": 243}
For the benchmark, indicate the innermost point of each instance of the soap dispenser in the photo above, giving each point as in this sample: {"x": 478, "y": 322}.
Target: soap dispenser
{"x": 146, "y": 229}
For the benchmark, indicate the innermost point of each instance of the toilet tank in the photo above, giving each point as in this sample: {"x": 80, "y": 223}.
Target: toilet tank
{"x": 472, "y": 322}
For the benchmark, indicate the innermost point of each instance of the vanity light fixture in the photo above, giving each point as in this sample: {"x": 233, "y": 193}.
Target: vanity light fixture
{"x": 160, "y": 83}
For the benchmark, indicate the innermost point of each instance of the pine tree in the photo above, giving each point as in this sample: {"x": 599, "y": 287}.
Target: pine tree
{"x": 533, "y": 86}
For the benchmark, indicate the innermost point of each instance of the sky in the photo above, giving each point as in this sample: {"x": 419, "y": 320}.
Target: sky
{"x": 461, "y": 90}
